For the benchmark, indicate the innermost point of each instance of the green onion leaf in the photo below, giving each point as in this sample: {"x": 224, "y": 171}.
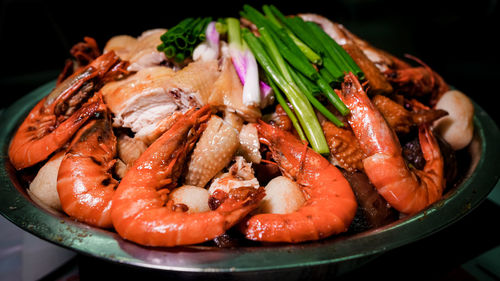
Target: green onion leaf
{"x": 325, "y": 74}
{"x": 334, "y": 50}
{"x": 316, "y": 103}
{"x": 332, "y": 96}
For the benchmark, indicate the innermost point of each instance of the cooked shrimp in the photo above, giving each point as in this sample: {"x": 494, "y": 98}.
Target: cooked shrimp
{"x": 417, "y": 81}
{"x": 407, "y": 190}
{"x": 141, "y": 211}
{"x": 55, "y": 119}
{"x": 85, "y": 183}
{"x": 330, "y": 203}
{"x": 36, "y": 139}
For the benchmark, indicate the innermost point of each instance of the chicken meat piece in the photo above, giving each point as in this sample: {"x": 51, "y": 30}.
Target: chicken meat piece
{"x": 141, "y": 52}
{"x": 402, "y": 120}
{"x": 345, "y": 150}
{"x": 227, "y": 92}
{"x": 144, "y": 100}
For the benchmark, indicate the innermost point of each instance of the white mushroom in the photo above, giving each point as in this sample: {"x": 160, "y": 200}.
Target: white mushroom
{"x": 43, "y": 188}
{"x": 283, "y": 196}
{"x": 195, "y": 198}
{"x": 457, "y": 127}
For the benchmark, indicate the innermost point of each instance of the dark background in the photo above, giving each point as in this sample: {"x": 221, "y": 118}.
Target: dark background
{"x": 456, "y": 38}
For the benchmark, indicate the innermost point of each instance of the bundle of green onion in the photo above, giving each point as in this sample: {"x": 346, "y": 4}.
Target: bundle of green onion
{"x": 179, "y": 41}
{"x": 301, "y": 60}
{"x": 298, "y": 57}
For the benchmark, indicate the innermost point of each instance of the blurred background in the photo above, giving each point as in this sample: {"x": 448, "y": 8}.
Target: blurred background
{"x": 455, "y": 38}
{"x": 458, "y": 39}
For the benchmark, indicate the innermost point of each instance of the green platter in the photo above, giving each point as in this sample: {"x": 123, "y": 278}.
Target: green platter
{"x": 334, "y": 256}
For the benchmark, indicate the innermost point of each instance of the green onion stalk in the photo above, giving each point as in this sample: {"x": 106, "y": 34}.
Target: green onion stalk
{"x": 283, "y": 79}
{"x": 276, "y": 23}
{"x": 246, "y": 66}
{"x": 179, "y": 41}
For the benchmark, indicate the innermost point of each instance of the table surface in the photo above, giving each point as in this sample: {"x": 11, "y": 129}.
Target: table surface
{"x": 467, "y": 250}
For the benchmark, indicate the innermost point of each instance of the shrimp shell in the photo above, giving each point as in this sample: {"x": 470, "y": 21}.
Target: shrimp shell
{"x": 56, "y": 118}
{"x": 85, "y": 183}
{"x": 213, "y": 152}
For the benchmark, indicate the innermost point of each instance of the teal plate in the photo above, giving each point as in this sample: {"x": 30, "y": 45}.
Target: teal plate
{"x": 334, "y": 256}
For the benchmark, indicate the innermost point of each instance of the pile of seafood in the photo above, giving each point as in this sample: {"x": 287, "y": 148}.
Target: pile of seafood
{"x": 171, "y": 150}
